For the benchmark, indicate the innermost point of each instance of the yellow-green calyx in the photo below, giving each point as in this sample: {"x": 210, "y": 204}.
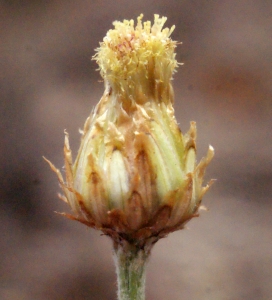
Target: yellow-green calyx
{"x": 135, "y": 176}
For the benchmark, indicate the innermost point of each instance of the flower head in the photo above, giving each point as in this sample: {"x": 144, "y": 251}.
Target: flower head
{"x": 139, "y": 61}
{"x": 135, "y": 176}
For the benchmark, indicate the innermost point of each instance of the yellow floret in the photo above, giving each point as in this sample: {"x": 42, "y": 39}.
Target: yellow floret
{"x": 143, "y": 55}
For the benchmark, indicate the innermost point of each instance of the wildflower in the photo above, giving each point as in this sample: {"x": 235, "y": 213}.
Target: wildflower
{"x": 135, "y": 176}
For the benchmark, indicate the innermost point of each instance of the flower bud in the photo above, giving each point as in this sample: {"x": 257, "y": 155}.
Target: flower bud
{"x": 135, "y": 176}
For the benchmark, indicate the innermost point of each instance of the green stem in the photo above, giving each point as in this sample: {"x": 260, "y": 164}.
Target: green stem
{"x": 130, "y": 266}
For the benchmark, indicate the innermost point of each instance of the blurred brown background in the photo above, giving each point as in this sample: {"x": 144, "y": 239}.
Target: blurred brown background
{"x": 48, "y": 83}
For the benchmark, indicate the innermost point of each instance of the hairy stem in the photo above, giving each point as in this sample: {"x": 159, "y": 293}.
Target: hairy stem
{"x": 130, "y": 267}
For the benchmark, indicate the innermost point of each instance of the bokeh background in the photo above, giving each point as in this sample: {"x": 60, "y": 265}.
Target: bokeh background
{"x": 48, "y": 83}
